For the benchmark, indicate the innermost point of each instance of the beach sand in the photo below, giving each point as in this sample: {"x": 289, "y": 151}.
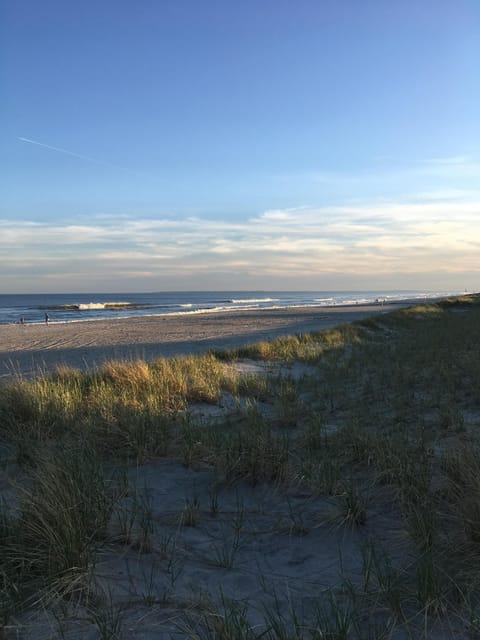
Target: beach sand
{"x": 35, "y": 349}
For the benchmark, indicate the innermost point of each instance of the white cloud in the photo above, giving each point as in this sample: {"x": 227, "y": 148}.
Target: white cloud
{"x": 278, "y": 214}
{"x": 390, "y": 238}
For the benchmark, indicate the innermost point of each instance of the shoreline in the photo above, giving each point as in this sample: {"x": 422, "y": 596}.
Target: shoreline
{"x": 36, "y": 349}
{"x": 387, "y": 304}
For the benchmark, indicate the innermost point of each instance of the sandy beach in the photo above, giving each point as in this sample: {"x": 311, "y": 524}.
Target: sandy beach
{"x": 34, "y": 349}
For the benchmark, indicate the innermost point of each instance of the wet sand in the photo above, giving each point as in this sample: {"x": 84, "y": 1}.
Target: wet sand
{"x": 35, "y": 349}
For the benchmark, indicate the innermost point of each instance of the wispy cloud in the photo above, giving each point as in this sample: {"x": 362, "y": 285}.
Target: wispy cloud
{"x": 450, "y": 160}
{"x": 451, "y": 168}
{"x": 390, "y": 175}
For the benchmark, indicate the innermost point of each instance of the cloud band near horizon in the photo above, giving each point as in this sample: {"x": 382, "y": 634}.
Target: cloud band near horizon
{"x": 396, "y": 243}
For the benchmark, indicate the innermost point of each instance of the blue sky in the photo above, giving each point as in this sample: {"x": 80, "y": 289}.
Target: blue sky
{"x": 184, "y": 144}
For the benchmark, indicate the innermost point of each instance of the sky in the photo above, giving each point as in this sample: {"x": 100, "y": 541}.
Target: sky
{"x": 150, "y": 145}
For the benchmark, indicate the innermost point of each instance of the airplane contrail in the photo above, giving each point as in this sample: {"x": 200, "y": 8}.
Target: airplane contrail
{"x": 69, "y": 153}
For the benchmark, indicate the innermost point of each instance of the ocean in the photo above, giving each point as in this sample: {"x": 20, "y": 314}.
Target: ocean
{"x": 82, "y": 307}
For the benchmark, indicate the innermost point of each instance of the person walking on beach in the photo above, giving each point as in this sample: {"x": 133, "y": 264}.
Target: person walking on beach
{"x": 47, "y": 318}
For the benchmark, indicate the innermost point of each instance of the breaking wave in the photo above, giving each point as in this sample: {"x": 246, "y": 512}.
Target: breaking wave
{"x": 252, "y": 300}
{"x": 88, "y": 306}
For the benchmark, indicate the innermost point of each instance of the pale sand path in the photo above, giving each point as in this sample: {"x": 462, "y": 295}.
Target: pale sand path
{"x": 32, "y": 349}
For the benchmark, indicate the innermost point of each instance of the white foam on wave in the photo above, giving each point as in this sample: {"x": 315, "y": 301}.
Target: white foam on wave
{"x": 252, "y": 300}
{"x": 337, "y": 302}
{"x": 85, "y": 306}
{"x": 375, "y": 298}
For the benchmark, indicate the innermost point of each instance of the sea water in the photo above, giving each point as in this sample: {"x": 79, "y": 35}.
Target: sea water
{"x": 78, "y": 307}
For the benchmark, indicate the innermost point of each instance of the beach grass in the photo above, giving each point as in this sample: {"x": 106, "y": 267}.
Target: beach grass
{"x": 366, "y": 435}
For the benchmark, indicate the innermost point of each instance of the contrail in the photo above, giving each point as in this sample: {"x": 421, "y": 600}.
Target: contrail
{"x": 69, "y": 153}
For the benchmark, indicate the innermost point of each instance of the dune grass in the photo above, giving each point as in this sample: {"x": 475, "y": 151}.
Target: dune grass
{"x": 384, "y": 420}
{"x": 307, "y": 347}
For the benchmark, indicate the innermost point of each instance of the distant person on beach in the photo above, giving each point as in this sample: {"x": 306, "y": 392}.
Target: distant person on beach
{"x": 22, "y": 320}
{"x": 47, "y": 318}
